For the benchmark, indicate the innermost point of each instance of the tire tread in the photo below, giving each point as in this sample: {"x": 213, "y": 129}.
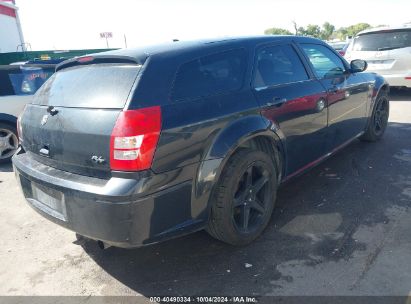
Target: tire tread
{"x": 217, "y": 222}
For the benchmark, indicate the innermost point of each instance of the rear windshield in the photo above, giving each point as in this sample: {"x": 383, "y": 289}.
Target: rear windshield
{"x": 90, "y": 86}
{"x": 213, "y": 74}
{"x": 23, "y": 80}
{"x": 383, "y": 41}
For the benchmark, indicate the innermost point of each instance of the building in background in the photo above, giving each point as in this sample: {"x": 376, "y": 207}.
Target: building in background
{"x": 11, "y": 35}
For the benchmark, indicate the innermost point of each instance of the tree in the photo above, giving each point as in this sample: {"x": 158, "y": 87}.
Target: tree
{"x": 352, "y": 30}
{"x": 342, "y": 33}
{"x": 327, "y": 31}
{"x": 312, "y": 30}
{"x": 295, "y": 27}
{"x": 277, "y": 31}
{"x": 301, "y": 31}
{"x": 355, "y": 29}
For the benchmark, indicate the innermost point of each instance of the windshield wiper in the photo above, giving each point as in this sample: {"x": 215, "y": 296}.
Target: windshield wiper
{"x": 388, "y": 48}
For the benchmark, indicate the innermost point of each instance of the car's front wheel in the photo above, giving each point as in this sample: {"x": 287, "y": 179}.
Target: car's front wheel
{"x": 8, "y": 142}
{"x": 244, "y": 198}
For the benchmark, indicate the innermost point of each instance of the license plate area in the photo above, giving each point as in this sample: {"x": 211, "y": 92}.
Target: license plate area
{"x": 49, "y": 201}
{"x": 380, "y": 64}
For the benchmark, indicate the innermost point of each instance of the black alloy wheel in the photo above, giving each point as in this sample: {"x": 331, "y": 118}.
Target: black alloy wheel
{"x": 379, "y": 120}
{"x": 244, "y": 197}
{"x": 381, "y": 115}
{"x": 251, "y": 198}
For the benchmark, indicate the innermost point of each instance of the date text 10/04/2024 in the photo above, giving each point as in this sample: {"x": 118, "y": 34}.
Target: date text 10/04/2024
{"x": 205, "y": 299}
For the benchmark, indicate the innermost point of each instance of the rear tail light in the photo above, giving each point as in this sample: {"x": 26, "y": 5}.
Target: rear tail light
{"x": 408, "y": 78}
{"x": 134, "y": 139}
{"x": 342, "y": 53}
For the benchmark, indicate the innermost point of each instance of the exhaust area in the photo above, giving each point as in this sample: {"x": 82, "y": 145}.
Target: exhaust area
{"x": 103, "y": 245}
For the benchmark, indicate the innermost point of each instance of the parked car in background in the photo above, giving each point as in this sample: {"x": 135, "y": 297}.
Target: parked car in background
{"x": 387, "y": 51}
{"x": 340, "y": 46}
{"x": 136, "y": 146}
{"x": 18, "y": 83}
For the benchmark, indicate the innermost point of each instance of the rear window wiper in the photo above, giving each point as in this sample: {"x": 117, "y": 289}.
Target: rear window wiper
{"x": 388, "y": 48}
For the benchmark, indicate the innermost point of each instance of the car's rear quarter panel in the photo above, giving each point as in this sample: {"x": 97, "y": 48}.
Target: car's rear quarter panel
{"x": 189, "y": 128}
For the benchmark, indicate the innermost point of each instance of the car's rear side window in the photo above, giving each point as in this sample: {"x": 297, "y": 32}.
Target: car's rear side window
{"x": 381, "y": 41}
{"x": 209, "y": 75}
{"x": 91, "y": 86}
{"x": 278, "y": 65}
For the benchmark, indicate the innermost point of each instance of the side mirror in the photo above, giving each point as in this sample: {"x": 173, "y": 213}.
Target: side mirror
{"x": 358, "y": 66}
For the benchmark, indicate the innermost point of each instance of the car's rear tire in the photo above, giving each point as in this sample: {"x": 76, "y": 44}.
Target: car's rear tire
{"x": 379, "y": 119}
{"x": 8, "y": 142}
{"x": 244, "y": 198}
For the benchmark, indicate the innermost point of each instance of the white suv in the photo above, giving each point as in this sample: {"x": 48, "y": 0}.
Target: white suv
{"x": 17, "y": 85}
{"x": 387, "y": 51}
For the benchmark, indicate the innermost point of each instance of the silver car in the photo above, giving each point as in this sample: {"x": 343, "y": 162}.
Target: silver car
{"x": 387, "y": 51}
{"x": 17, "y": 86}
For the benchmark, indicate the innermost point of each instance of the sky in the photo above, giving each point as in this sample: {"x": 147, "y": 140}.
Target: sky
{"x": 77, "y": 24}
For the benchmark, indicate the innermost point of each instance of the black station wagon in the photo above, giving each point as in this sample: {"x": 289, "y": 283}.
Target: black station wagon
{"x": 136, "y": 146}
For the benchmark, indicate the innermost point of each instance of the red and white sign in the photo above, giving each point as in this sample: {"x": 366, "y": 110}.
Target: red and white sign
{"x": 7, "y": 11}
{"x": 106, "y": 35}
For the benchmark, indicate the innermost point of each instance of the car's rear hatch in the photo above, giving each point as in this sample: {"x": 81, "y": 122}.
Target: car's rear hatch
{"x": 70, "y": 121}
{"x": 386, "y": 52}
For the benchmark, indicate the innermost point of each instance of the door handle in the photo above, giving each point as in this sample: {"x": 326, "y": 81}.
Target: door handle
{"x": 332, "y": 90}
{"x": 277, "y": 102}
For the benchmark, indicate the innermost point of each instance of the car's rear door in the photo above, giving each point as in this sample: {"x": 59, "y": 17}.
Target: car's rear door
{"x": 294, "y": 101}
{"x": 347, "y": 94}
{"x": 72, "y": 116}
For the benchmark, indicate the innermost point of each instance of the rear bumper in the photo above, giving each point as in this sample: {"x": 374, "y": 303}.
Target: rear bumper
{"x": 397, "y": 80}
{"x": 121, "y": 212}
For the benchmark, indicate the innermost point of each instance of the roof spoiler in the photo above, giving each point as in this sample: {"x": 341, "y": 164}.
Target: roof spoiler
{"x": 96, "y": 58}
